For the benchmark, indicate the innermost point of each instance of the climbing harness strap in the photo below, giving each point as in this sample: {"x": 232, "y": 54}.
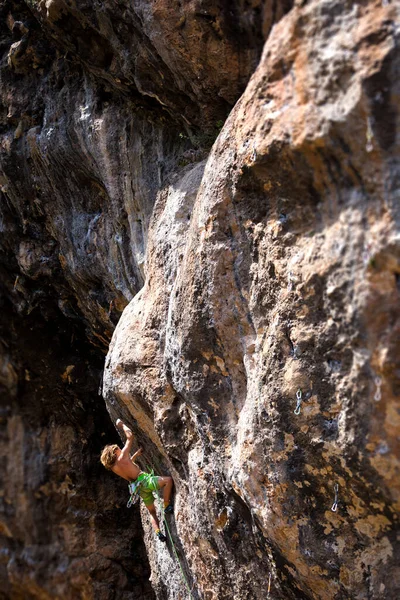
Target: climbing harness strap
{"x": 142, "y": 483}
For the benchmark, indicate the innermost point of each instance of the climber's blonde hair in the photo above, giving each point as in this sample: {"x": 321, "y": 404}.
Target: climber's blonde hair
{"x": 108, "y": 456}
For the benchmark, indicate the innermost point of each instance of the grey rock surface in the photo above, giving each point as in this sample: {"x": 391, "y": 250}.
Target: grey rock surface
{"x": 254, "y": 259}
{"x": 260, "y": 355}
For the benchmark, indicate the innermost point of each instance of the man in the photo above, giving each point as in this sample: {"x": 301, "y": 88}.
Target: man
{"x": 120, "y": 462}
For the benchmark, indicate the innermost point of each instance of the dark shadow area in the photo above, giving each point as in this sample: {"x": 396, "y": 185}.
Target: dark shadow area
{"x": 64, "y": 526}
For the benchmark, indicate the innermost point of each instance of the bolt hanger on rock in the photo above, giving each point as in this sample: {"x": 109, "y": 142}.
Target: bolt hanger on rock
{"x": 378, "y": 393}
{"x": 335, "y": 503}
{"x": 254, "y": 153}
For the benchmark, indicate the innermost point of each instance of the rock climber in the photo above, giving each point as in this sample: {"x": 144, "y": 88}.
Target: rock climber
{"x": 123, "y": 464}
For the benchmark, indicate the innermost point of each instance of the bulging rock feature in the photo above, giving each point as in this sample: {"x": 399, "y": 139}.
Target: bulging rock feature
{"x": 259, "y": 358}
{"x": 207, "y": 192}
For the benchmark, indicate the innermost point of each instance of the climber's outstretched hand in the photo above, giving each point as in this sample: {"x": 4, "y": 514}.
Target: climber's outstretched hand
{"x": 129, "y": 438}
{"x": 121, "y": 425}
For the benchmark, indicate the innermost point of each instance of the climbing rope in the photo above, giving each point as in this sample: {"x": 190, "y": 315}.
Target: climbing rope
{"x": 179, "y": 562}
{"x": 163, "y": 519}
{"x": 175, "y": 551}
{"x": 133, "y": 489}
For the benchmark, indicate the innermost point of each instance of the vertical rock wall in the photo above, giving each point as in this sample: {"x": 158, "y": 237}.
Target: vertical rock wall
{"x": 64, "y": 528}
{"x": 99, "y": 104}
{"x": 256, "y": 355}
{"x": 260, "y": 358}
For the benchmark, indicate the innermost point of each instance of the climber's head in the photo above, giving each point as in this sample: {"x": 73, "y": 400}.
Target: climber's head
{"x": 110, "y": 455}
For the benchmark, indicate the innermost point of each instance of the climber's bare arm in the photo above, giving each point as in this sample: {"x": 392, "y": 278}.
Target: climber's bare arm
{"x": 137, "y": 454}
{"x": 126, "y": 450}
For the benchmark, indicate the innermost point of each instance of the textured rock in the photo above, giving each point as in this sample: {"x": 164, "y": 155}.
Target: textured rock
{"x": 265, "y": 268}
{"x": 85, "y": 144}
{"x": 99, "y": 103}
{"x": 283, "y": 283}
{"x": 64, "y": 528}
{"x": 194, "y": 58}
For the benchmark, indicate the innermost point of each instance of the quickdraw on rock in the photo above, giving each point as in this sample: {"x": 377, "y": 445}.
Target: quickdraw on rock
{"x": 369, "y": 135}
{"x": 378, "y": 394}
{"x": 291, "y": 279}
{"x": 299, "y": 396}
{"x": 335, "y": 503}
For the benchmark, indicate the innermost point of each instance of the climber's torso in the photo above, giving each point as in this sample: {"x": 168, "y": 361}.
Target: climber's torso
{"x": 125, "y": 468}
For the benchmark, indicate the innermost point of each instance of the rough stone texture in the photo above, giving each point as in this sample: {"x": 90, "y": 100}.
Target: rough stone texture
{"x": 193, "y": 58}
{"x": 100, "y": 102}
{"x": 278, "y": 274}
{"x": 64, "y": 528}
{"x": 268, "y": 266}
{"x": 85, "y": 144}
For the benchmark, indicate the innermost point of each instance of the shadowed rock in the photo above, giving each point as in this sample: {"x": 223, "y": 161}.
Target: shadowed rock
{"x": 255, "y": 278}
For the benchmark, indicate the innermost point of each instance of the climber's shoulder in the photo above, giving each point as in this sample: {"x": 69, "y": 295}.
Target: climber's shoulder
{"x": 124, "y": 467}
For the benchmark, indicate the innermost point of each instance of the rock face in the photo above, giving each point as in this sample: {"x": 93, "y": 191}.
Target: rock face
{"x": 256, "y": 356}
{"x": 260, "y": 357}
{"x": 65, "y": 531}
{"x": 99, "y": 103}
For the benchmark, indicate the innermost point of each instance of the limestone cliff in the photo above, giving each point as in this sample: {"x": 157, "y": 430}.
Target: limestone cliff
{"x": 253, "y": 282}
